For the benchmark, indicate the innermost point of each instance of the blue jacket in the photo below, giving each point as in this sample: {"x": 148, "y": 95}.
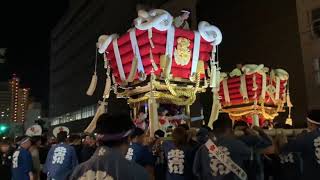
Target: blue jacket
{"x": 60, "y": 162}
{"x": 21, "y": 164}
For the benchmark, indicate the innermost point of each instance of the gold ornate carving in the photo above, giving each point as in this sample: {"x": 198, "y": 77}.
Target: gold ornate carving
{"x": 182, "y": 53}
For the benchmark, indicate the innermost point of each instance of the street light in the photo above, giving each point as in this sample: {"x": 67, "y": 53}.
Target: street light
{"x": 3, "y": 128}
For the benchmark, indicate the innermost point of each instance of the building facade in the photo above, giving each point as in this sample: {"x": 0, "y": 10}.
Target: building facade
{"x": 19, "y": 100}
{"x": 14, "y": 89}
{"x": 308, "y": 13}
{"x": 5, "y": 101}
{"x": 73, "y": 55}
{"x": 33, "y": 113}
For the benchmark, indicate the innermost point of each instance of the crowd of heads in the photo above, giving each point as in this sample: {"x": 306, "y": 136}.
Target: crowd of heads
{"x": 118, "y": 131}
{"x": 113, "y": 130}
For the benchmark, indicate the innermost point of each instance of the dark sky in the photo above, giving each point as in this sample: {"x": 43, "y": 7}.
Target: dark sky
{"x": 25, "y": 30}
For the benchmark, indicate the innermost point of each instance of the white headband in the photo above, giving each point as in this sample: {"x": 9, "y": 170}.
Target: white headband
{"x": 313, "y": 121}
{"x": 24, "y": 140}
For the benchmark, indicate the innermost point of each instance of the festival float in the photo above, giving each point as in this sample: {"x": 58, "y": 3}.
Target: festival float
{"x": 254, "y": 93}
{"x": 156, "y": 63}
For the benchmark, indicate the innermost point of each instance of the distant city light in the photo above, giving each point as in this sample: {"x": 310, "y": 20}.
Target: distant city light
{"x": 3, "y": 128}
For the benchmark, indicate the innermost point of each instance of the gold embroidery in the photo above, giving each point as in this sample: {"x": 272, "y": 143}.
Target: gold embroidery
{"x": 98, "y": 175}
{"x": 182, "y": 53}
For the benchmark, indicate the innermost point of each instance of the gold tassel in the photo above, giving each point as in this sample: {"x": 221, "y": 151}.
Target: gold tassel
{"x": 133, "y": 70}
{"x": 163, "y": 62}
{"x": 289, "y": 120}
{"x": 93, "y": 84}
{"x": 101, "y": 110}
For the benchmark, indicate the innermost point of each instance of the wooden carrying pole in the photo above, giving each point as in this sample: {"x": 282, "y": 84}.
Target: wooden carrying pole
{"x": 188, "y": 115}
{"x": 153, "y": 114}
{"x": 274, "y": 132}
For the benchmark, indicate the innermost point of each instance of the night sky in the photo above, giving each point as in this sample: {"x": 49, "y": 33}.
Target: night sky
{"x": 25, "y": 30}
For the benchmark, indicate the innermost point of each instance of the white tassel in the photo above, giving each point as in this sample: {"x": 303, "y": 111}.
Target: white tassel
{"x": 213, "y": 77}
{"x": 101, "y": 110}
{"x": 255, "y": 120}
{"x": 216, "y": 106}
{"x": 168, "y": 67}
{"x": 93, "y": 84}
{"x": 290, "y": 105}
{"x": 106, "y": 62}
{"x": 217, "y": 79}
{"x": 94, "y": 79}
{"x": 133, "y": 70}
{"x": 107, "y": 88}
{"x": 289, "y": 120}
{"x": 115, "y": 85}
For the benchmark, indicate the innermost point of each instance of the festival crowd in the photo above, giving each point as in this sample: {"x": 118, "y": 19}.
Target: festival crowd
{"x": 119, "y": 150}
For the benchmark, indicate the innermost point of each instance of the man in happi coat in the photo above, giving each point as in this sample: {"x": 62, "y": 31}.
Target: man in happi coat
{"x": 22, "y": 161}
{"x": 61, "y": 159}
{"x": 178, "y": 156}
{"x": 109, "y": 162}
{"x": 158, "y": 154}
{"x": 257, "y": 140}
{"x": 207, "y": 167}
{"x": 140, "y": 153}
{"x": 308, "y": 145}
